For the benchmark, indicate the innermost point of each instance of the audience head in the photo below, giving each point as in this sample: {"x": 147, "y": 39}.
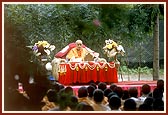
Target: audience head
{"x": 56, "y": 86}
{"x": 61, "y": 86}
{"x": 114, "y": 102}
{"x": 145, "y": 89}
{"x": 63, "y": 99}
{"x": 119, "y": 91}
{"x": 98, "y": 95}
{"x": 82, "y": 92}
{"x": 73, "y": 102}
{"x": 160, "y": 84}
{"x": 125, "y": 94}
{"x": 102, "y": 86}
{"x": 69, "y": 90}
{"x": 133, "y": 92}
{"x": 113, "y": 86}
{"x": 90, "y": 90}
{"x": 52, "y": 95}
{"x": 111, "y": 94}
{"x": 94, "y": 85}
{"x": 129, "y": 105}
{"x": 107, "y": 91}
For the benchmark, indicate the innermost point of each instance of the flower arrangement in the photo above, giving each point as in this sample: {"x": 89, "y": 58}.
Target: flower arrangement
{"x": 42, "y": 48}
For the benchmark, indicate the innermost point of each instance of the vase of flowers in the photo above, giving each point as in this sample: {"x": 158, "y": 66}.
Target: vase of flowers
{"x": 42, "y": 50}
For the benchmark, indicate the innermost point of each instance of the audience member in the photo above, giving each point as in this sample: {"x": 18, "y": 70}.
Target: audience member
{"x": 102, "y": 86}
{"x": 158, "y": 104}
{"x": 69, "y": 90}
{"x": 129, "y": 105}
{"x": 159, "y": 90}
{"x": 98, "y": 97}
{"x": 55, "y": 86}
{"x": 111, "y": 94}
{"x": 107, "y": 91}
{"x": 63, "y": 101}
{"x": 157, "y": 93}
{"x": 147, "y": 105}
{"x": 83, "y": 96}
{"x": 119, "y": 91}
{"x": 82, "y": 106}
{"x": 115, "y": 103}
{"x": 125, "y": 95}
{"x": 160, "y": 84}
{"x": 133, "y": 92}
{"x": 94, "y": 85}
{"x": 73, "y": 102}
{"x": 113, "y": 86}
{"x": 61, "y": 98}
{"x": 145, "y": 91}
{"x": 50, "y": 100}
{"x": 149, "y": 101}
{"x": 90, "y": 89}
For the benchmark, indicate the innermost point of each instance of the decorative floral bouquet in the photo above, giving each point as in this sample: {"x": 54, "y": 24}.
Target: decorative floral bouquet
{"x": 42, "y": 48}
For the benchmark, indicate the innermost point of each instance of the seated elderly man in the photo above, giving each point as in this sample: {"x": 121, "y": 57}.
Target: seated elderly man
{"x": 77, "y": 53}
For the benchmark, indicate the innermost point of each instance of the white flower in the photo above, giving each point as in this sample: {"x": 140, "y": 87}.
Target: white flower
{"x": 47, "y": 51}
{"x": 38, "y": 54}
{"x": 52, "y": 47}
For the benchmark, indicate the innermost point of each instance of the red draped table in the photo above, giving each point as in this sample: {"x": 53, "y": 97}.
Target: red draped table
{"x": 85, "y": 72}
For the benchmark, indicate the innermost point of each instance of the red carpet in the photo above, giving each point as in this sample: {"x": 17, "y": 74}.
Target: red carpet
{"x": 125, "y": 85}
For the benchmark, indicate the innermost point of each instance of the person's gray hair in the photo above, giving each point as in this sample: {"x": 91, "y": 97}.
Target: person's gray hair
{"x": 78, "y": 41}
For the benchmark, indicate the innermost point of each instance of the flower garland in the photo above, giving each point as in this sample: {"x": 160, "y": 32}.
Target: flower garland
{"x": 92, "y": 66}
{"x": 111, "y": 65}
{"x": 73, "y": 66}
{"x": 82, "y": 65}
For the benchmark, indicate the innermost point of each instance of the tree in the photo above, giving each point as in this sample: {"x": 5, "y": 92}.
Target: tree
{"x": 146, "y": 18}
{"x": 156, "y": 44}
{"x": 155, "y": 11}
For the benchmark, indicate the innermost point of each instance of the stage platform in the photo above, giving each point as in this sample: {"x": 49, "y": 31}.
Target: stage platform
{"x": 124, "y": 84}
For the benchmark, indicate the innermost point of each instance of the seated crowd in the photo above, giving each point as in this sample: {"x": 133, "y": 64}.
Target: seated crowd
{"x": 99, "y": 97}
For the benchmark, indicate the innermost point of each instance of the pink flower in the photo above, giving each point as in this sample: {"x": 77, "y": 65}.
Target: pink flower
{"x": 96, "y": 22}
